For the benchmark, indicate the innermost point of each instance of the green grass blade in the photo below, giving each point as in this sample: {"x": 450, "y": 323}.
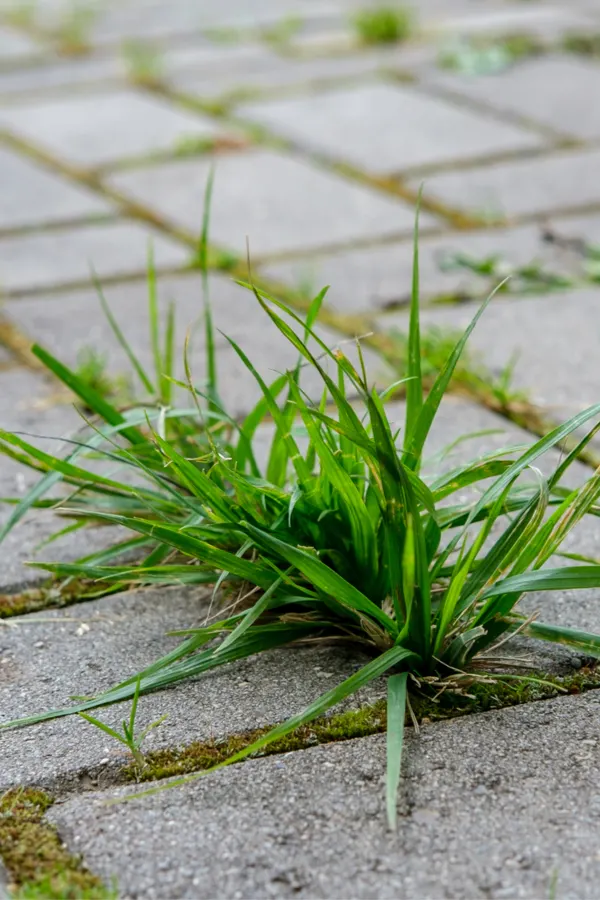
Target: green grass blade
{"x": 583, "y": 641}
{"x": 393, "y": 657}
{"x": 564, "y": 578}
{"x": 396, "y": 713}
{"x": 414, "y": 384}
{"x": 153, "y": 317}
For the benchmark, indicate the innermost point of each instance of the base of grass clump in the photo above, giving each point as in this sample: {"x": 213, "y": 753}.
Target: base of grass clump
{"x": 38, "y": 863}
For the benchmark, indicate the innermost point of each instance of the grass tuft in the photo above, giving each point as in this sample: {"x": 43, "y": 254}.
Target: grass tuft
{"x": 341, "y": 530}
{"x": 385, "y": 25}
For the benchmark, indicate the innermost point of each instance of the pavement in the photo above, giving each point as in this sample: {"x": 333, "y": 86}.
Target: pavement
{"x": 320, "y": 144}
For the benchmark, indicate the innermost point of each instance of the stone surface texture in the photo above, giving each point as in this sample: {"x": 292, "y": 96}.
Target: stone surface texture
{"x": 113, "y": 116}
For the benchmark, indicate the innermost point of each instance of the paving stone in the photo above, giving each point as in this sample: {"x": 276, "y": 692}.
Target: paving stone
{"x": 43, "y": 415}
{"x": 544, "y": 21}
{"x": 523, "y": 89}
{"x": 68, "y": 324}
{"x": 542, "y": 185}
{"x": 32, "y": 195}
{"x": 386, "y": 128}
{"x": 15, "y": 46}
{"x": 553, "y": 336}
{"x": 124, "y": 634}
{"x": 65, "y": 256}
{"x": 279, "y": 202}
{"x": 101, "y": 129}
{"x": 369, "y": 278}
{"x": 274, "y": 73}
{"x": 501, "y": 804}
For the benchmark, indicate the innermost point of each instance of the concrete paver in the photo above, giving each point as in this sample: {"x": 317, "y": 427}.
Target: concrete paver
{"x": 66, "y": 256}
{"x": 32, "y": 195}
{"x": 384, "y": 128}
{"x": 104, "y": 128}
{"x": 279, "y": 202}
{"x": 502, "y": 804}
{"x": 523, "y": 89}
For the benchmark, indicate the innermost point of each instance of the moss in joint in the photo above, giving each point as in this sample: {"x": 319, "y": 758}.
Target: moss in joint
{"x": 363, "y": 722}
{"x": 38, "y": 863}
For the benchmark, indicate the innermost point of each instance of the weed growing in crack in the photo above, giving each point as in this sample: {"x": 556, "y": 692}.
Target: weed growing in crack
{"x": 385, "y": 25}
{"x": 73, "y": 26}
{"x": 92, "y": 369}
{"x": 22, "y": 13}
{"x": 144, "y": 63}
{"x": 132, "y": 740}
{"x": 339, "y": 534}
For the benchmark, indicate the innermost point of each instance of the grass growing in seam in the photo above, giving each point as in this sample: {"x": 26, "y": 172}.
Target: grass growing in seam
{"x": 337, "y": 536}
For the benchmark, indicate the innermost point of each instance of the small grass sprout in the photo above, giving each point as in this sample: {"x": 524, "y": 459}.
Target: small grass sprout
{"x": 144, "y": 63}
{"x": 128, "y": 737}
{"x": 383, "y": 25}
{"x": 73, "y": 26}
{"x": 341, "y": 532}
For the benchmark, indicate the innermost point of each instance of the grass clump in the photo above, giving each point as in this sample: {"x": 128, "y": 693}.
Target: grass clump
{"x": 73, "y": 26}
{"x": 339, "y": 533}
{"x": 144, "y": 63}
{"x": 38, "y": 863}
{"x": 385, "y": 25}
{"x": 482, "y": 55}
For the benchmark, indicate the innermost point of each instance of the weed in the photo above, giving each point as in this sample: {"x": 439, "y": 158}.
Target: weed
{"x": 532, "y": 277}
{"x": 143, "y": 62}
{"x": 199, "y": 144}
{"x": 129, "y": 738}
{"x": 582, "y": 43}
{"x": 22, "y": 13}
{"x": 385, "y": 25}
{"x": 73, "y": 26}
{"x": 92, "y": 370}
{"x": 484, "y": 55}
{"x": 282, "y": 32}
{"x": 38, "y": 863}
{"x": 340, "y": 535}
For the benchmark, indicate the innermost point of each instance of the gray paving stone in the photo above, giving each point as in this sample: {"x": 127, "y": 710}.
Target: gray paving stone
{"x": 386, "y": 128}
{"x": 32, "y": 195}
{"x": 538, "y": 186}
{"x": 496, "y": 805}
{"x": 543, "y": 20}
{"x": 62, "y": 257}
{"x": 15, "y": 46}
{"x": 47, "y": 657}
{"x": 68, "y": 324}
{"x": 271, "y": 72}
{"x": 279, "y": 202}
{"x": 554, "y": 338}
{"x": 368, "y": 279}
{"x": 101, "y": 129}
{"x": 524, "y": 89}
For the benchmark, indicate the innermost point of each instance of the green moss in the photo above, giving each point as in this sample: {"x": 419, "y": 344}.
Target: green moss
{"x": 38, "y": 863}
{"x": 368, "y": 720}
{"x": 53, "y": 595}
{"x": 386, "y": 25}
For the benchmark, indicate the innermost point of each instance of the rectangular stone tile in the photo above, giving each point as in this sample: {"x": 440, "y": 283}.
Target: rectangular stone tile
{"x": 16, "y": 46}
{"x": 369, "y": 278}
{"x": 48, "y": 657}
{"x": 279, "y": 202}
{"x": 550, "y": 90}
{"x": 68, "y": 324}
{"x": 553, "y": 337}
{"x": 499, "y": 805}
{"x": 97, "y": 129}
{"x": 65, "y": 256}
{"x": 386, "y": 128}
{"x": 32, "y": 195}
{"x": 275, "y": 73}
{"x": 566, "y": 180}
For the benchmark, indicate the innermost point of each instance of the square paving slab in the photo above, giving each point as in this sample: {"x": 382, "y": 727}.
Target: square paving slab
{"x": 371, "y": 278}
{"x": 502, "y": 804}
{"x": 279, "y": 202}
{"x": 524, "y": 89}
{"x": 102, "y": 128}
{"x": 62, "y": 257}
{"x": 32, "y": 195}
{"x": 387, "y": 128}
{"x": 565, "y": 180}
